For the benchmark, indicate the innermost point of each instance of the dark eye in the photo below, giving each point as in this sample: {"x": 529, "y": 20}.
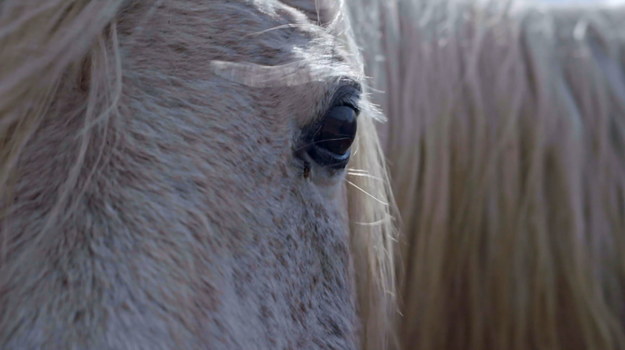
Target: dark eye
{"x": 331, "y": 142}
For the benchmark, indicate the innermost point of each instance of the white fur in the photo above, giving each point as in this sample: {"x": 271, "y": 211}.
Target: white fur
{"x": 154, "y": 201}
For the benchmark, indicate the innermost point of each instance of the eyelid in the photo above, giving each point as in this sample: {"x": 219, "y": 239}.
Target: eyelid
{"x": 347, "y": 102}
{"x": 351, "y": 82}
{"x": 348, "y": 95}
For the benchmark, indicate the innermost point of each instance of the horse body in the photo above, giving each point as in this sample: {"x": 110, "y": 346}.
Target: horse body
{"x": 156, "y": 199}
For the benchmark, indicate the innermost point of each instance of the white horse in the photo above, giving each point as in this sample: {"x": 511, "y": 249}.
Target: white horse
{"x": 172, "y": 176}
{"x": 506, "y": 146}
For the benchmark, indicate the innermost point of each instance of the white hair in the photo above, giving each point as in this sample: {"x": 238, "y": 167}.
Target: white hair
{"x": 505, "y": 145}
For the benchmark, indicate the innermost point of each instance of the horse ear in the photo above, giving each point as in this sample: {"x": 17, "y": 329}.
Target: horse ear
{"x": 321, "y": 12}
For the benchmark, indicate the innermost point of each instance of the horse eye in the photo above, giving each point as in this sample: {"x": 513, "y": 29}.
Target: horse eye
{"x": 334, "y": 136}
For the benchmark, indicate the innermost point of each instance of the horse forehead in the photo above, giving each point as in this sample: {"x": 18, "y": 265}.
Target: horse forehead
{"x": 257, "y": 43}
{"x": 267, "y": 32}
{"x": 282, "y": 23}
{"x": 301, "y": 15}
{"x": 301, "y": 38}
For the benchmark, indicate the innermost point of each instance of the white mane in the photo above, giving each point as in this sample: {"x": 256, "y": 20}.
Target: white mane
{"x": 505, "y": 147}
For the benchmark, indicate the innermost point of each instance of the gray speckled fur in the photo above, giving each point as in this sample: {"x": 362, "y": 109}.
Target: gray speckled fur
{"x": 197, "y": 230}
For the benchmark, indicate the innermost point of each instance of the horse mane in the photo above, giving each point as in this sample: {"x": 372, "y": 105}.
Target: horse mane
{"x": 372, "y": 213}
{"x": 506, "y": 152}
{"x": 373, "y": 239}
{"x": 71, "y": 45}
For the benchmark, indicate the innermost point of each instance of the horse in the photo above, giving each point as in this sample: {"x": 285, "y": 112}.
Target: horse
{"x": 505, "y": 144}
{"x": 191, "y": 174}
